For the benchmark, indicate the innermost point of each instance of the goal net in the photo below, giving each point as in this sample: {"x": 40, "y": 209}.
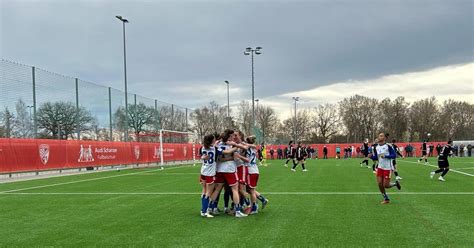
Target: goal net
{"x": 173, "y": 146}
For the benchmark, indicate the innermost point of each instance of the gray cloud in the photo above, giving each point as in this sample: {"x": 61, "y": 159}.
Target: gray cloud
{"x": 199, "y": 44}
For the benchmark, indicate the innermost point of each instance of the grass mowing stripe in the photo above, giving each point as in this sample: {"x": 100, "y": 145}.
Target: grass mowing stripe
{"x": 453, "y": 170}
{"x": 86, "y": 180}
{"x": 264, "y": 193}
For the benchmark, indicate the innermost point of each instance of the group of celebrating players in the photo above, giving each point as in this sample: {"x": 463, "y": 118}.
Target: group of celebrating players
{"x": 229, "y": 163}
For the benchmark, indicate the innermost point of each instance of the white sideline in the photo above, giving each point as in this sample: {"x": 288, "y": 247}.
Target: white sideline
{"x": 90, "y": 179}
{"x": 265, "y": 193}
{"x": 453, "y": 170}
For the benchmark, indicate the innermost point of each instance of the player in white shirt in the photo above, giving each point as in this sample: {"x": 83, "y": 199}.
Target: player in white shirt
{"x": 209, "y": 154}
{"x": 227, "y": 170}
{"x": 385, "y": 154}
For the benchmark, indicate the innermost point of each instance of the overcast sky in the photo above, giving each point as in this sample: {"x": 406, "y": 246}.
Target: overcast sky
{"x": 182, "y": 51}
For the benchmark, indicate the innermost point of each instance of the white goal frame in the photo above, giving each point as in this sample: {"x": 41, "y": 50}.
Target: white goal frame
{"x": 194, "y": 138}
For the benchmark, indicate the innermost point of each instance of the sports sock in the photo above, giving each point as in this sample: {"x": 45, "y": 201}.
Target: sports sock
{"x": 238, "y": 207}
{"x": 261, "y": 198}
{"x": 396, "y": 173}
{"x": 426, "y": 160}
{"x": 373, "y": 167}
{"x": 302, "y": 165}
{"x": 203, "y": 205}
{"x": 226, "y": 199}
{"x": 247, "y": 201}
{"x": 294, "y": 166}
{"x": 445, "y": 171}
{"x": 439, "y": 171}
{"x": 254, "y": 207}
{"x": 385, "y": 196}
{"x": 206, "y": 204}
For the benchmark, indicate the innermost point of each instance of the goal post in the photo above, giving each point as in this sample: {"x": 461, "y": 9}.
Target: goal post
{"x": 174, "y": 144}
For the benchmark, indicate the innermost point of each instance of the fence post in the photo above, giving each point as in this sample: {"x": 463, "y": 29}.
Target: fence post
{"x": 35, "y": 126}
{"x": 78, "y": 131}
{"x": 186, "y": 122}
{"x": 110, "y": 115}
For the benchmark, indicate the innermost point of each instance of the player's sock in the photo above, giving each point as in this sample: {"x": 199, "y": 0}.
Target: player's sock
{"x": 254, "y": 207}
{"x": 294, "y": 166}
{"x": 373, "y": 167}
{"x": 426, "y": 160}
{"x": 445, "y": 171}
{"x": 226, "y": 199}
{"x": 238, "y": 207}
{"x": 247, "y": 201}
{"x": 439, "y": 171}
{"x": 302, "y": 165}
{"x": 203, "y": 204}
{"x": 261, "y": 198}
{"x": 396, "y": 173}
{"x": 385, "y": 196}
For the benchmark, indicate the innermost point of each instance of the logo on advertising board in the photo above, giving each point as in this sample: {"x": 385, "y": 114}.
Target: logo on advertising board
{"x": 157, "y": 152}
{"x": 137, "y": 152}
{"x": 85, "y": 154}
{"x": 44, "y": 153}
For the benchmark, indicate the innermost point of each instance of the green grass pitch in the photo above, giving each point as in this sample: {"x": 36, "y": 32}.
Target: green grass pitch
{"x": 334, "y": 204}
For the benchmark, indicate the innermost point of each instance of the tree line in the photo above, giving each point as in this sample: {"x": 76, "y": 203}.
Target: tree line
{"x": 350, "y": 120}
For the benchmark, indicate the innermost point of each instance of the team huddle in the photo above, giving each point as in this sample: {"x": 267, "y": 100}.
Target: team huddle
{"x": 229, "y": 163}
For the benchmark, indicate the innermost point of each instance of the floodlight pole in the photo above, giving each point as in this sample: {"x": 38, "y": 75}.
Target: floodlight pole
{"x": 123, "y": 20}
{"x": 295, "y": 99}
{"x": 251, "y": 51}
{"x": 228, "y": 103}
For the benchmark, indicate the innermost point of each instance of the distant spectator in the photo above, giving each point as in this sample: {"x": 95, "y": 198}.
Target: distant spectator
{"x": 469, "y": 149}
{"x": 461, "y": 150}
{"x": 315, "y": 151}
{"x": 358, "y": 151}
{"x": 431, "y": 150}
{"x": 338, "y": 152}
{"x": 271, "y": 153}
{"x": 279, "y": 153}
{"x": 325, "y": 152}
{"x": 455, "y": 150}
{"x": 409, "y": 150}
{"x": 438, "y": 149}
{"x": 285, "y": 153}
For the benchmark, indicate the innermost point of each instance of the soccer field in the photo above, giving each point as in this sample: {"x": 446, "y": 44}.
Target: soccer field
{"x": 335, "y": 203}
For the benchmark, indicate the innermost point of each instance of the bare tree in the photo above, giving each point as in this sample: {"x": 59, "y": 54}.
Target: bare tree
{"x": 62, "y": 119}
{"x": 23, "y": 121}
{"x": 423, "y": 118}
{"x": 267, "y": 121}
{"x": 456, "y": 120}
{"x": 8, "y": 120}
{"x": 140, "y": 118}
{"x": 244, "y": 117}
{"x": 301, "y": 128}
{"x": 326, "y": 122}
{"x": 394, "y": 116}
{"x": 360, "y": 117}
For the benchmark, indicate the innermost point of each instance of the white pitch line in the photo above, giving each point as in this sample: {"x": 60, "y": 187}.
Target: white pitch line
{"x": 265, "y": 193}
{"x": 87, "y": 180}
{"x": 453, "y": 170}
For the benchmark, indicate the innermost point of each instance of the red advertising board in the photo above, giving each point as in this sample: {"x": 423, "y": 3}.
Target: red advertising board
{"x": 37, "y": 154}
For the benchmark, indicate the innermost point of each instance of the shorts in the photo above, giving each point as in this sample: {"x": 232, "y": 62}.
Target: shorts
{"x": 242, "y": 172}
{"x": 252, "y": 180}
{"x": 301, "y": 158}
{"x": 207, "y": 179}
{"x": 291, "y": 156}
{"x": 227, "y": 177}
{"x": 423, "y": 153}
{"x": 443, "y": 163}
{"x": 386, "y": 174}
{"x": 366, "y": 155}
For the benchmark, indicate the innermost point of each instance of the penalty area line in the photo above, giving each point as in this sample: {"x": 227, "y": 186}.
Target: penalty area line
{"x": 265, "y": 193}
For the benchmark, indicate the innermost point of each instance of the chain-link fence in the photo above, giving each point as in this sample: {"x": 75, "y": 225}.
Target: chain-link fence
{"x": 35, "y": 103}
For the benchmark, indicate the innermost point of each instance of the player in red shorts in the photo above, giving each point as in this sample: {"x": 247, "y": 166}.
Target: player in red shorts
{"x": 385, "y": 155}
{"x": 209, "y": 154}
{"x": 242, "y": 169}
{"x": 252, "y": 177}
{"x": 227, "y": 171}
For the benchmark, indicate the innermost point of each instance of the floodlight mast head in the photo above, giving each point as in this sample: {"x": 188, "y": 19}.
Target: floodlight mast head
{"x": 227, "y": 82}
{"x": 121, "y": 19}
{"x": 297, "y": 98}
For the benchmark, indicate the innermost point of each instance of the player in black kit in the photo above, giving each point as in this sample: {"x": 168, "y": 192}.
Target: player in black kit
{"x": 290, "y": 153}
{"x": 443, "y": 163}
{"x": 424, "y": 154}
{"x": 365, "y": 152}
